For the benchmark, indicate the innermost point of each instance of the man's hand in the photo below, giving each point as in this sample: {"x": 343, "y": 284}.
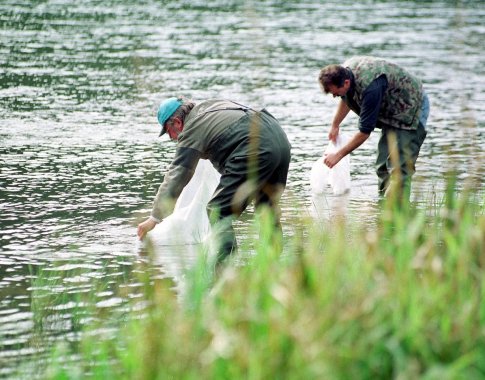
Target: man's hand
{"x": 332, "y": 159}
{"x": 145, "y": 226}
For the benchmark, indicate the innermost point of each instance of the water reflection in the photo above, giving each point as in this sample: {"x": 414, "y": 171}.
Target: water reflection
{"x": 79, "y": 159}
{"x": 327, "y": 208}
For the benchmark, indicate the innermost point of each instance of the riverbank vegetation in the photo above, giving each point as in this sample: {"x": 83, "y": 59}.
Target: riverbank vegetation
{"x": 402, "y": 300}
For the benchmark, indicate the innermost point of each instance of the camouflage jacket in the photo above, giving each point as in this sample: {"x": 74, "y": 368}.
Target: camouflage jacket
{"x": 401, "y": 105}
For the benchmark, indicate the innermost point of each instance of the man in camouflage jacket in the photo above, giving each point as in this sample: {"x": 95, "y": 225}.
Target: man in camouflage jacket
{"x": 386, "y": 96}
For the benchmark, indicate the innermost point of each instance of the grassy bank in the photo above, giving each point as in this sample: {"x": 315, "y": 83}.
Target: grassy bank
{"x": 404, "y": 300}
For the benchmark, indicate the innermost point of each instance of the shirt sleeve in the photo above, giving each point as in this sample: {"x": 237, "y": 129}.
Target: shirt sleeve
{"x": 371, "y": 104}
{"x": 178, "y": 176}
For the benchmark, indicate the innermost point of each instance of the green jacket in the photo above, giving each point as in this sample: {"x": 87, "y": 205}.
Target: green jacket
{"x": 401, "y": 105}
{"x": 214, "y": 129}
{"x": 203, "y": 126}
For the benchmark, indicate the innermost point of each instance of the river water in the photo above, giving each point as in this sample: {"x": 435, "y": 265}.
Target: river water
{"x": 79, "y": 154}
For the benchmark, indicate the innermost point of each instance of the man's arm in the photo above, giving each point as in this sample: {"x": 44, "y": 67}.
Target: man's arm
{"x": 178, "y": 176}
{"x": 371, "y": 104}
{"x": 342, "y": 111}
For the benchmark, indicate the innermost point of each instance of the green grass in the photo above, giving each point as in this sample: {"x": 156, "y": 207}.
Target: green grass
{"x": 402, "y": 300}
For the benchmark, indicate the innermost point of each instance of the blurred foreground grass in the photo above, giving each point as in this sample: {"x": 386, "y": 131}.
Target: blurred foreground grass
{"x": 403, "y": 300}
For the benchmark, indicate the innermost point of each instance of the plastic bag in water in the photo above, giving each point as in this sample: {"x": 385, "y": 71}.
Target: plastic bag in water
{"x": 189, "y": 223}
{"x": 338, "y": 177}
{"x": 319, "y": 176}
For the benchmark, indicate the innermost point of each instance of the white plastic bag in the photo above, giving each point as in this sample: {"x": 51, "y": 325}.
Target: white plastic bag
{"x": 319, "y": 176}
{"x": 337, "y": 177}
{"x": 189, "y": 223}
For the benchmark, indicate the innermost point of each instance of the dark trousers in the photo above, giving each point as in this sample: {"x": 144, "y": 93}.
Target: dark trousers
{"x": 397, "y": 152}
{"x": 255, "y": 169}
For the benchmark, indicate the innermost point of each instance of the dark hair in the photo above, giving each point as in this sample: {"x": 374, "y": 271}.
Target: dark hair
{"x": 332, "y": 75}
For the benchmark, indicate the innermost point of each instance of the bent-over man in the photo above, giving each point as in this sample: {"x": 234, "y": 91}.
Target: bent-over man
{"x": 385, "y": 96}
{"x": 247, "y": 147}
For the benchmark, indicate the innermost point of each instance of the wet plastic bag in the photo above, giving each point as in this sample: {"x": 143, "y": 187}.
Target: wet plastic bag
{"x": 189, "y": 223}
{"x": 321, "y": 176}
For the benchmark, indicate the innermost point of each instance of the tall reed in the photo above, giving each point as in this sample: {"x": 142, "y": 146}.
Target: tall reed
{"x": 402, "y": 300}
